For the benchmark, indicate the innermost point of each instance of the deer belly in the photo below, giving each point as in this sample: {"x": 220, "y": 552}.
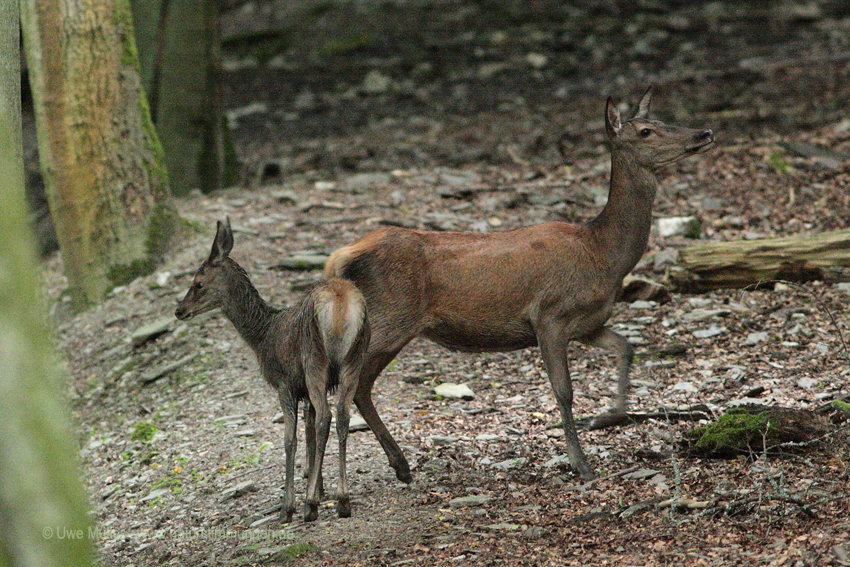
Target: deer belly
{"x": 481, "y": 336}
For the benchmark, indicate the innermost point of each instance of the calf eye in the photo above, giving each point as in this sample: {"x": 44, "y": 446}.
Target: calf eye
{"x": 645, "y": 133}
{"x": 199, "y": 285}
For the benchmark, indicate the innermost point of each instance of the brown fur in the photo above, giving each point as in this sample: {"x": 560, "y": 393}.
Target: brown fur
{"x": 540, "y": 285}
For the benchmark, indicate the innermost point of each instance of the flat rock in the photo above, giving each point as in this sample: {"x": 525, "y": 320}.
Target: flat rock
{"x": 468, "y": 501}
{"x": 640, "y": 474}
{"x": 712, "y": 331}
{"x": 441, "y": 440}
{"x": 557, "y": 461}
{"x": 239, "y": 489}
{"x": 509, "y": 464}
{"x": 454, "y": 391}
{"x": 155, "y": 494}
{"x": 155, "y": 374}
{"x": 679, "y": 226}
{"x": 152, "y": 330}
{"x": 756, "y": 338}
{"x": 357, "y": 423}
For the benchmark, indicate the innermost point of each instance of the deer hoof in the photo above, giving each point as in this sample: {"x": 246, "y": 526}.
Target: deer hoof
{"x": 311, "y": 513}
{"x": 403, "y": 474}
{"x": 608, "y": 419}
{"x": 343, "y": 507}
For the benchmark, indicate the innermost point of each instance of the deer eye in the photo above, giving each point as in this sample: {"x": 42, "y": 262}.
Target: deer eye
{"x": 199, "y": 285}
{"x": 645, "y": 132}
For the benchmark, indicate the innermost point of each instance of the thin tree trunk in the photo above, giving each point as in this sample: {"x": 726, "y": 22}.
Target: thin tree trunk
{"x": 39, "y": 487}
{"x": 102, "y": 162}
{"x": 714, "y": 265}
{"x": 180, "y": 53}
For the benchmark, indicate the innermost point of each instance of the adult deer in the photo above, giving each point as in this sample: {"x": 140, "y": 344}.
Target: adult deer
{"x": 543, "y": 285}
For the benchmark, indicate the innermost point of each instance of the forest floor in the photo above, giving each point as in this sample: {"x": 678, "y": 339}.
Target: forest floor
{"x": 451, "y": 117}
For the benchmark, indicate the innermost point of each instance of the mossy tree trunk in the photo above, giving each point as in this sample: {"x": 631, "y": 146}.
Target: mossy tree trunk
{"x": 103, "y": 165}
{"x": 180, "y": 53}
{"x": 39, "y": 487}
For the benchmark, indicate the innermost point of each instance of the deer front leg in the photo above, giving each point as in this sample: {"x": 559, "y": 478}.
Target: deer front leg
{"x": 289, "y": 405}
{"x": 623, "y": 350}
{"x": 554, "y": 350}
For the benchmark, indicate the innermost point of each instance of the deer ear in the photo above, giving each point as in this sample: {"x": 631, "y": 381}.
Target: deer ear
{"x": 643, "y": 105}
{"x": 223, "y": 243}
{"x": 612, "y": 119}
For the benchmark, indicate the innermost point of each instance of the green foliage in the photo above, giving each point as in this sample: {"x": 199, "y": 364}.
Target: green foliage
{"x": 842, "y": 405}
{"x": 143, "y": 432}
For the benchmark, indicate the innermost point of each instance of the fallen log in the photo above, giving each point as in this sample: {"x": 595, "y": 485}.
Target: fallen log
{"x": 743, "y": 263}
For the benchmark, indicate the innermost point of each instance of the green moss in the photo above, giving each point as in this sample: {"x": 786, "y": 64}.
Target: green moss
{"x": 189, "y": 225}
{"x": 778, "y": 162}
{"x": 163, "y": 229}
{"x": 842, "y": 405}
{"x": 157, "y": 169}
{"x": 124, "y": 23}
{"x": 736, "y": 432}
{"x": 143, "y": 432}
{"x": 291, "y": 552}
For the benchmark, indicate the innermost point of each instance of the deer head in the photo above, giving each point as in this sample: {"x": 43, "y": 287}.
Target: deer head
{"x": 209, "y": 288}
{"x": 651, "y": 143}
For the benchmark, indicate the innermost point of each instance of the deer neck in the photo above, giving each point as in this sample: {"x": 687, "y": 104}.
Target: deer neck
{"x": 251, "y": 316}
{"x": 622, "y": 228}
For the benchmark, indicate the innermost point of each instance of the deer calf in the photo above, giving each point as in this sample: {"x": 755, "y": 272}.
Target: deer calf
{"x": 541, "y": 285}
{"x": 304, "y": 353}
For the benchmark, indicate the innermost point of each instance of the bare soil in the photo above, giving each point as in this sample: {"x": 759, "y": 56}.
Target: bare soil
{"x": 464, "y": 134}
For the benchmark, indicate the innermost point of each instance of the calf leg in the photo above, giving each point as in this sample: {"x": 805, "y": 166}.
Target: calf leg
{"x": 289, "y": 405}
{"x": 347, "y": 389}
{"x": 310, "y": 434}
{"x": 317, "y": 390}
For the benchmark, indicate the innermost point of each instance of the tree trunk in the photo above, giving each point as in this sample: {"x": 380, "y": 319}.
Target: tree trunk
{"x": 180, "y": 54}
{"x": 102, "y": 163}
{"x": 39, "y": 487}
{"x": 715, "y": 265}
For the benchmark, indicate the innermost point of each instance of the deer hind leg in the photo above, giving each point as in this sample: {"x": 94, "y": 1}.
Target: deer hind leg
{"x": 310, "y": 435}
{"x": 347, "y": 389}
{"x": 363, "y": 399}
{"x": 317, "y": 390}
{"x": 553, "y": 347}
{"x": 289, "y": 405}
{"x": 623, "y": 350}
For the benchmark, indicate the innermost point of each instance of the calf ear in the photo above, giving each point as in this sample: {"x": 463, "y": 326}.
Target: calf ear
{"x": 223, "y": 243}
{"x": 612, "y": 119}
